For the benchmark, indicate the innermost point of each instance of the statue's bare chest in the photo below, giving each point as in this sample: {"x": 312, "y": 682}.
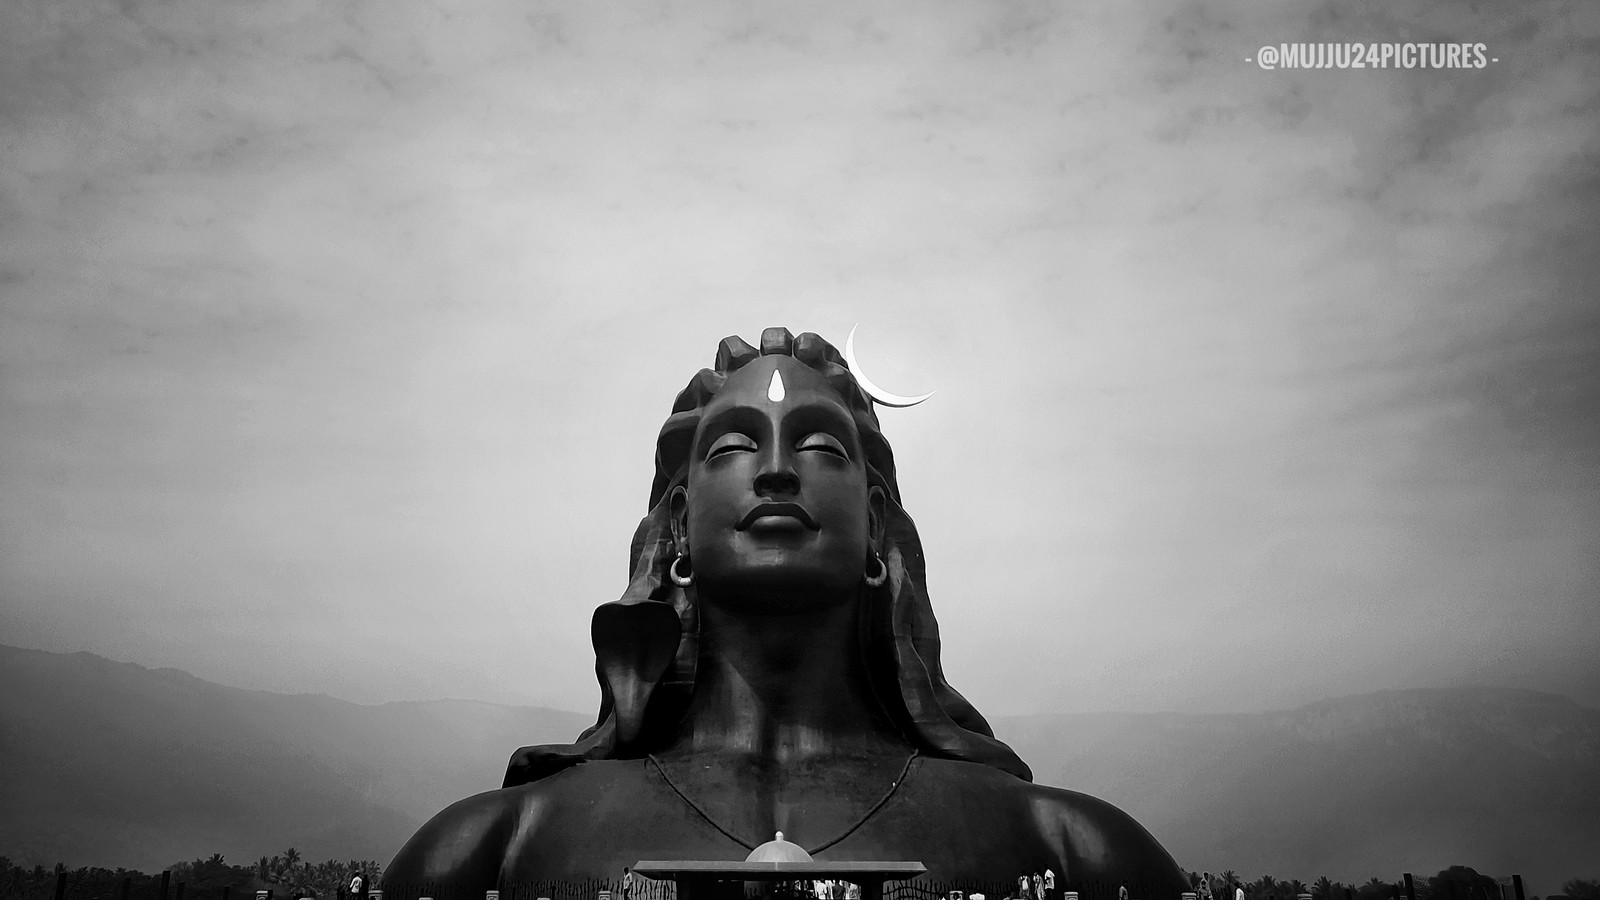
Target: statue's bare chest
{"x": 814, "y": 802}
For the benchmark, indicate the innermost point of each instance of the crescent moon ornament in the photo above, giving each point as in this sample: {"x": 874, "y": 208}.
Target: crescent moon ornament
{"x": 878, "y": 394}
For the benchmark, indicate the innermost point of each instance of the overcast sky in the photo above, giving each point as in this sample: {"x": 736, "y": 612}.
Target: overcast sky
{"x": 334, "y": 337}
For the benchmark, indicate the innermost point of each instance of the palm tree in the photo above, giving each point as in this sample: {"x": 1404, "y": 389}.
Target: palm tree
{"x": 11, "y": 877}
{"x": 1582, "y": 889}
{"x": 328, "y": 877}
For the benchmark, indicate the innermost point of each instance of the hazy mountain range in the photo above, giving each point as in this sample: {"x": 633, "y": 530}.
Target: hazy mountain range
{"x": 113, "y": 764}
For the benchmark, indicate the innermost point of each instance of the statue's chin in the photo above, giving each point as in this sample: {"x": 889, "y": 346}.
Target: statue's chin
{"x": 779, "y": 591}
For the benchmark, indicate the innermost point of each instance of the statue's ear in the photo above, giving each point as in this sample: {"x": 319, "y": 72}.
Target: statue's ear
{"x": 678, "y": 518}
{"x": 877, "y": 509}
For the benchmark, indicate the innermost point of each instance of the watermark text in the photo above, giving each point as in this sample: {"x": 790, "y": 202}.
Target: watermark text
{"x": 1372, "y": 55}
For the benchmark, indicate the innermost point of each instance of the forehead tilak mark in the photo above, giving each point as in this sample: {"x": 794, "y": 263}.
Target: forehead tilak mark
{"x": 775, "y": 387}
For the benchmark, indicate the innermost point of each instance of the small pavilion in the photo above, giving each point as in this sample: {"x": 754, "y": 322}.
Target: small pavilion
{"x": 775, "y": 861}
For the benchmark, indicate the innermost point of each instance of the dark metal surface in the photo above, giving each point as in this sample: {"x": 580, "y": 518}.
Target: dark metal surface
{"x": 779, "y": 691}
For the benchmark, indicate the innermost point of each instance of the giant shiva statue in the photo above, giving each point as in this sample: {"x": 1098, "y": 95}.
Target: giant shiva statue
{"x": 774, "y": 666}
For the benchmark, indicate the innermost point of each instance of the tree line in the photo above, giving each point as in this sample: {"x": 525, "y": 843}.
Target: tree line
{"x": 1453, "y": 883}
{"x": 286, "y": 874}
{"x": 289, "y": 877}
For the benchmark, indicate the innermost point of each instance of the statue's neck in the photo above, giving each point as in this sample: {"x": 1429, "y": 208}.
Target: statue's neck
{"x": 784, "y": 688}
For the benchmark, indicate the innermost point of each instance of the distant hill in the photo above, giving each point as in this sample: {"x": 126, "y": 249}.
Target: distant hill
{"x": 1505, "y": 781}
{"x": 113, "y": 764}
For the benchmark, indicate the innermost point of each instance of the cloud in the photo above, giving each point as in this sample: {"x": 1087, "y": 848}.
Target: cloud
{"x": 335, "y": 338}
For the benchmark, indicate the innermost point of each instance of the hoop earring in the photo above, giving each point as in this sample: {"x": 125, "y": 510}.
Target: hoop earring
{"x": 883, "y": 572}
{"x": 682, "y": 581}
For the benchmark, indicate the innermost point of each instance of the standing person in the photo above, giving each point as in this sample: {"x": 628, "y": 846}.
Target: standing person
{"x": 1038, "y": 886}
{"x": 1122, "y": 892}
{"x": 1024, "y": 887}
{"x": 1049, "y": 884}
{"x": 627, "y": 883}
{"x": 1205, "y": 886}
{"x": 1238, "y": 892}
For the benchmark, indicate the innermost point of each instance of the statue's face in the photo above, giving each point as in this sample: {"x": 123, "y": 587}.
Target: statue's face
{"x": 777, "y": 505}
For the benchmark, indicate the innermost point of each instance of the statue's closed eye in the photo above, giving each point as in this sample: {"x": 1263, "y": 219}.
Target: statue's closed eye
{"x": 731, "y": 442}
{"x": 823, "y": 441}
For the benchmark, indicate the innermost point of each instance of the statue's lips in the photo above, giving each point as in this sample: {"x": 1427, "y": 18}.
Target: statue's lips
{"x": 765, "y": 516}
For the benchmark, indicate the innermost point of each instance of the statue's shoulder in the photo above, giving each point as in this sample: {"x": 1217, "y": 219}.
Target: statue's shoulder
{"x": 468, "y": 843}
{"x": 462, "y": 845}
{"x": 579, "y": 822}
{"x": 1014, "y": 825}
{"x": 1105, "y": 844}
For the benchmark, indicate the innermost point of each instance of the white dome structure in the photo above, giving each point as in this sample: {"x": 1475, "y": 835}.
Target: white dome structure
{"x": 778, "y": 850}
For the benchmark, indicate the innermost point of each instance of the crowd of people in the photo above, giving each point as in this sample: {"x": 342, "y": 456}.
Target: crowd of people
{"x": 798, "y": 890}
{"x": 1038, "y": 886}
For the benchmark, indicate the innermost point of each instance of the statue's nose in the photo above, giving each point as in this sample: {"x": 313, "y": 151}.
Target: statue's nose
{"x": 777, "y": 477}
